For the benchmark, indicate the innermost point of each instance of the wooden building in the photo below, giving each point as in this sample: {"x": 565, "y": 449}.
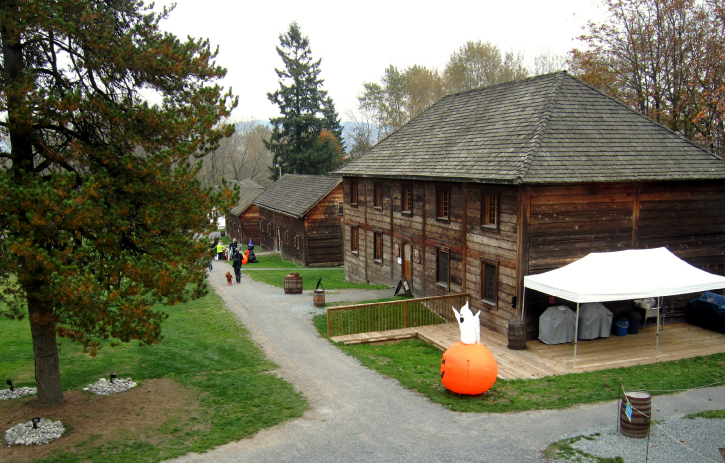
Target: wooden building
{"x": 490, "y": 185}
{"x": 301, "y": 217}
{"x": 243, "y": 219}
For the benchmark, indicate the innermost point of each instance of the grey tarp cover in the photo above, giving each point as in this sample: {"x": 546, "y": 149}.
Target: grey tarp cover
{"x": 557, "y": 325}
{"x": 595, "y": 321}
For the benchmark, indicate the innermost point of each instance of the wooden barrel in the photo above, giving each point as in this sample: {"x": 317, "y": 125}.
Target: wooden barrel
{"x": 293, "y": 284}
{"x": 318, "y": 299}
{"x": 641, "y": 414}
{"x": 517, "y": 335}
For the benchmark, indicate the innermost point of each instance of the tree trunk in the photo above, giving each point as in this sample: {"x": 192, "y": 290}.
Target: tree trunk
{"x": 45, "y": 347}
{"x": 42, "y": 319}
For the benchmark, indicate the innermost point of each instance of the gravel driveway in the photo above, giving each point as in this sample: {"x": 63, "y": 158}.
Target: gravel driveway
{"x": 356, "y": 415}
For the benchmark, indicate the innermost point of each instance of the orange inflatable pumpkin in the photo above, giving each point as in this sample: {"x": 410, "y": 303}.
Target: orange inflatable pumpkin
{"x": 245, "y": 257}
{"x": 468, "y": 368}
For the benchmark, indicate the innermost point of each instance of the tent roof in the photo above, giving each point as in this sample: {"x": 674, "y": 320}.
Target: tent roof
{"x": 622, "y": 275}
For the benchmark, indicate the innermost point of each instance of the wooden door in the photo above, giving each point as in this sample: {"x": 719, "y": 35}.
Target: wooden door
{"x": 407, "y": 263}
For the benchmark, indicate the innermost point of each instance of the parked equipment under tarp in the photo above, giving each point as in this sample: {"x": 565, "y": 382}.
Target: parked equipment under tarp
{"x": 622, "y": 275}
{"x": 557, "y": 325}
{"x": 595, "y": 321}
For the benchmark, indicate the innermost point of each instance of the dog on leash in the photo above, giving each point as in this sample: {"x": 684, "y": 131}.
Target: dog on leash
{"x": 229, "y": 278}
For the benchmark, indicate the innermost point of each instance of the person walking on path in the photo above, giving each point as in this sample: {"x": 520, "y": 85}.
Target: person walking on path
{"x": 220, "y": 250}
{"x": 237, "y": 264}
{"x": 212, "y": 248}
{"x": 233, "y": 248}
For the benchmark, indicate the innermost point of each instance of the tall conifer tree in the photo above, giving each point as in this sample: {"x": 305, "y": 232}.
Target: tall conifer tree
{"x": 305, "y": 110}
{"x": 99, "y": 206}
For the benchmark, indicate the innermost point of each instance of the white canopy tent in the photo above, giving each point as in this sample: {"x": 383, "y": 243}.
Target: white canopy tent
{"x": 622, "y": 275}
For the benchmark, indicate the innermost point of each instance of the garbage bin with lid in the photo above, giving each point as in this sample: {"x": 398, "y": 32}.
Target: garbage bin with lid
{"x": 621, "y": 325}
{"x": 635, "y": 319}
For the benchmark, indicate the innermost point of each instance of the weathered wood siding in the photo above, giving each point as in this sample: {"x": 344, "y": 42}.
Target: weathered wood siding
{"x": 286, "y": 226}
{"x": 323, "y": 237}
{"x": 565, "y": 223}
{"x": 688, "y": 219}
{"x": 461, "y": 235}
{"x": 378, "y": 220}
{"x": 443, "y": 235}
{"x": 498, "y": 244}
{"x": 568, "y": 222}
{"x": 319, "y": 232}
{"x": 540, "y": 228}
{"x": 354, "y": 216}
{"x": 246, "y": 226}
{"x": 408, "y": 228}
{"x": 234, "y": 226}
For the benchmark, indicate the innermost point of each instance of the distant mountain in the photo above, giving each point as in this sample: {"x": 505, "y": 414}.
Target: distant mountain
{"x": 347, "y": 128}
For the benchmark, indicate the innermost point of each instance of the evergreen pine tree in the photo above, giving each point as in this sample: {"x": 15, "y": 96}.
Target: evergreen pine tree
{"x": 305, "y": 110}
{"x": 100, "y": 208}
{"x": 332, "y": 121}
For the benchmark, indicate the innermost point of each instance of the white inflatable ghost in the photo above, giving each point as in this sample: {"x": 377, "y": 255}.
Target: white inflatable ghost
{"x": 469, "y": 324}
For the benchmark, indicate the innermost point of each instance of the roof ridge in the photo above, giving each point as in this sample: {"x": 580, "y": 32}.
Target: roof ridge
{"x": 307, "y": 189}
{"x": 541, "y": 129}
{"x": 507, "y": 83}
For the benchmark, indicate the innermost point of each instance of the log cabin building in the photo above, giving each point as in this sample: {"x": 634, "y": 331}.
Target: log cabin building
{"x": 493, "y": 184}
{"x": 301, "y": 217}
{"x": 243, "y": 219}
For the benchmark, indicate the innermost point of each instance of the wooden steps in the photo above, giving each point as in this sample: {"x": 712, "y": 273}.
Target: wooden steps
{"x": 377, "y": 336}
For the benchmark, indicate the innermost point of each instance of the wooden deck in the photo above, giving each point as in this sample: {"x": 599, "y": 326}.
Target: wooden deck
{"x": 540, "y": 360}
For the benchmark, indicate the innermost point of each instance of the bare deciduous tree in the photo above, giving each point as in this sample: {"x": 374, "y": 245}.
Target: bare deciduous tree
{"x": 365, "y": 131}
{"x": 243, "y": 155}
{"x": 664, "y": 59}
{"x": 548, "y": 62}
{"x": 402, "y": 95}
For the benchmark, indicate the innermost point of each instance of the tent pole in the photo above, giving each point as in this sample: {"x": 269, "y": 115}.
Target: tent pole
{"x": 576, "y": 333}
{"x": 659, "y": 308}
{"x": 523, "y": 304}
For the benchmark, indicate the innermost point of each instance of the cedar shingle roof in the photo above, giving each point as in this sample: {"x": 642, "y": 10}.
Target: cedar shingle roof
{"x": 246, "y": 198}
{"x": 295, "y": 195}
{"x": 546, "y": 129}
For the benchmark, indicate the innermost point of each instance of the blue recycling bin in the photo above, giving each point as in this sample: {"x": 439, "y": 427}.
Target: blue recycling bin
{"x": 621, "y": 326}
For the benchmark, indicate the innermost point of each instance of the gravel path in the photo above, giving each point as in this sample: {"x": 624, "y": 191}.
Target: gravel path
{"x": 356, "y": 415}
{"x": 676, "y": 440}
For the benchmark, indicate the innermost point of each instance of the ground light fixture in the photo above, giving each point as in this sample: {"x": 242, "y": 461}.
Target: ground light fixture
{"x": 113, "y": 376}
{"x": 35, "y": 421}
{"x": 9, "y": 382}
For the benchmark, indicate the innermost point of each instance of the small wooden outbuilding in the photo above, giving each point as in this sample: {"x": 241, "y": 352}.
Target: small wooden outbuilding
{"x": 488, "y": 186}
{"x": 243, "y": 219}
{"x": 301, "y": 217}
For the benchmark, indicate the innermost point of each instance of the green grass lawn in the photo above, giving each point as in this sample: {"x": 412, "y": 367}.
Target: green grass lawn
{"x": 270, "y": 261}
{"x": 332, "y": 277}
{"x": 710, "y": 414}
{"x": 416, "y": 365}
{"x": 205, "y": 349}
{"x": 564, "y": 450}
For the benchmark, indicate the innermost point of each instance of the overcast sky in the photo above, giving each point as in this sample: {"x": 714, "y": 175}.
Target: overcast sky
{"x": 357, "y": 40}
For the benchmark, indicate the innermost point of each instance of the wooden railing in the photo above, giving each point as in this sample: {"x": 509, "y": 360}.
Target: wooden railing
{"x": 393, "y": 315}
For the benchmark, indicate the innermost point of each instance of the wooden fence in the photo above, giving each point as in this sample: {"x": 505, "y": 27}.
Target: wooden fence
{"x": 393, "y": 315}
